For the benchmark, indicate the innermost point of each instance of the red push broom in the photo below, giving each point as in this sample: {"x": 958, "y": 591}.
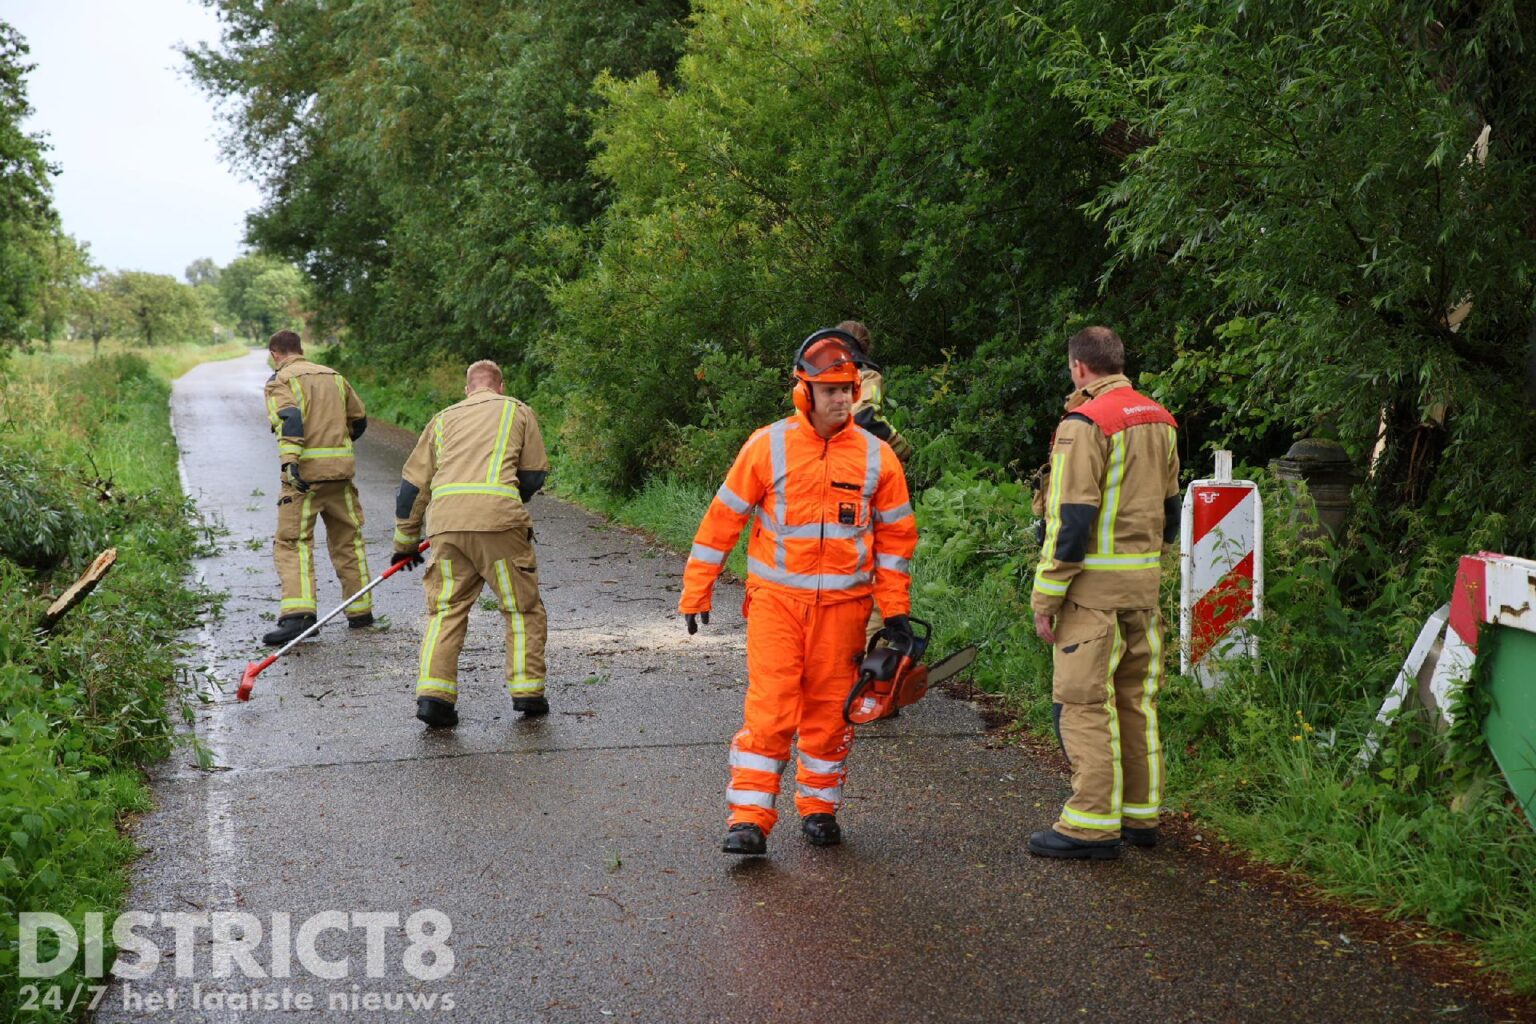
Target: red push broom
{"x": 256, "y": 668}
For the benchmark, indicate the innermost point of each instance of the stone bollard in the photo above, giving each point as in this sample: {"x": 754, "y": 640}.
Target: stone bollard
{"x": 1325, "y": 468}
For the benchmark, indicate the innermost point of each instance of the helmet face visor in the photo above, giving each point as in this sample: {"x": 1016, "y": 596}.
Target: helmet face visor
{"x": 829, "y": 361}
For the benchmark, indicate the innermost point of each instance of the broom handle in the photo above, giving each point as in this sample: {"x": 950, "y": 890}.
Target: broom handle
{"x": 312, "y": 630}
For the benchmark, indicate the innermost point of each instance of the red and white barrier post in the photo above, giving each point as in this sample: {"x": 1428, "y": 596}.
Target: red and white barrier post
{"x": 1221, "y": 562}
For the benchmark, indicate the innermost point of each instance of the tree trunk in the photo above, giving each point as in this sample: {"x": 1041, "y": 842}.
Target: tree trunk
{"x": 1530, "y": 365}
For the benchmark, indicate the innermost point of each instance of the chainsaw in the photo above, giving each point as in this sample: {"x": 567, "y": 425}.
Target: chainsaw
{"x": 893, "y": 676}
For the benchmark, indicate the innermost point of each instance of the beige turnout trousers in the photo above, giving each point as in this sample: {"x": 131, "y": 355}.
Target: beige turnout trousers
{"x": 463, "y": 562}
{"x": 1109, "y": 668}
{"x": 293, "y": 548}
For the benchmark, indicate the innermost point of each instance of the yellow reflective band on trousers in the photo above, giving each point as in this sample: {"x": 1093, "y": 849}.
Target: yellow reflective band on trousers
{"x": 306, "y": 598}
{"x": 365, "y": 603}
{"x": 424, "y": 678}
{"x": 1150, "y": 688}
{"x": 1106, "y": 822}
{"x": 518, "y": 683}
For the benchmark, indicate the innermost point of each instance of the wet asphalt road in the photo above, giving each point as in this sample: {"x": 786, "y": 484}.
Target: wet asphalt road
{"x": 577, "y": 856}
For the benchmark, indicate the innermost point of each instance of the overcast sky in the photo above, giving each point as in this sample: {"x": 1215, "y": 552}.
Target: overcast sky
{"x": 136, "y": 142}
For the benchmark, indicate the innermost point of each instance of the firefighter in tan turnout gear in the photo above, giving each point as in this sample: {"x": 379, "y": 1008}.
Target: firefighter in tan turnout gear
{"x": 317, "y": 416}
{"x": 1112, "y": 503}
{"x": 471, "y": 475}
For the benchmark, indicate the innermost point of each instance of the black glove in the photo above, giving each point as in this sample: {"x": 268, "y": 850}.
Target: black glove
{"x": 899, "y": 626}
{"x": 693, "y": 625}
{"x": 411, "y": 558}
{"x": 292, "y": 471}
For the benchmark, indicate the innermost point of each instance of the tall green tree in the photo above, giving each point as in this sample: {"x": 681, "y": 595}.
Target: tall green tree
{"x": 421, "y": 160}
{"x": 264, "y": 295}
{"x": 157, "y": 308}
{"x": 1352, "y": 178}
{"x": 27, "y": 218}
{"x": 98, "y": 312}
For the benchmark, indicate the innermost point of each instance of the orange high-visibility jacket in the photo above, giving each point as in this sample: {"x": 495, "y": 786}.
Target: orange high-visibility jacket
{"x": 833, "y": 520}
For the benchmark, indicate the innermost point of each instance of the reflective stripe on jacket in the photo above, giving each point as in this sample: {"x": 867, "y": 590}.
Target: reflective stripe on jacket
{"x": 1112, "y": 502}
{"x": 312, "y": 408}
{"x": 868, "y": 413}
{"x": 832, "y": 519}
{"x": 463, "y": 473}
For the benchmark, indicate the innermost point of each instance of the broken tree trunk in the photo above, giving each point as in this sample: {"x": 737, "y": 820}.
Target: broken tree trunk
{"x": 79, "y": 590}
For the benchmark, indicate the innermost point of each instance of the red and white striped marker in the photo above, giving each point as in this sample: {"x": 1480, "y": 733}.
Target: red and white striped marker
{"x": 1492, "y": 588}
{"x": 1221, "y": 561}
{"x": 1499, "y": 590}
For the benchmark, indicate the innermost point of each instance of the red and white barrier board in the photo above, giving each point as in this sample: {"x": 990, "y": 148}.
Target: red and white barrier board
{"x": 1491, "y": 589}
{"x": 1221, "y": 560}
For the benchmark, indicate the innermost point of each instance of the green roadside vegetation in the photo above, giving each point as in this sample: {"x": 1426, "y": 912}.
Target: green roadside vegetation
{"x": 87, "y": 462}
{"x": 1306, "y": 219}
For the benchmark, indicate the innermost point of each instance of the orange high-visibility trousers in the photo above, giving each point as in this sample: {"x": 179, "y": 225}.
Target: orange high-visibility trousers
{"x": 802, "y": 660}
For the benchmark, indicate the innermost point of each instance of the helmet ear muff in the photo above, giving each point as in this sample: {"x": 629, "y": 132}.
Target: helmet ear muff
{"x": 805, "y": 398}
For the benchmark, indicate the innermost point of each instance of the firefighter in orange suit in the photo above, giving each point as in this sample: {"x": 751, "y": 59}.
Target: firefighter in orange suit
{"x": 316, "y": 416}
{"x": 470, "y": 478}
{"x": 832, "y": 529}
{"x": 1112, "y": 504}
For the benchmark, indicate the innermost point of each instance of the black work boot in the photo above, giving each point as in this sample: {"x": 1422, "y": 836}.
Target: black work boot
{"x": 531, "y": 706}
{"x": 746, "y": 840}
{"x": 438, "y": 714}
{"x": 362, "y": 621}
{"x": 822, "y": 830}
{"x": 288, "y": 627}
{"x": 1139, "y": 836}
{"x": 1051, "y": 843}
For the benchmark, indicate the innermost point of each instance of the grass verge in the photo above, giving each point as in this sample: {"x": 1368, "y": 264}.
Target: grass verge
{"x": 87, "y": 462}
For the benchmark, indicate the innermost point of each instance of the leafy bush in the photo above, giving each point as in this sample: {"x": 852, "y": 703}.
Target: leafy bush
{"x": 89, "y": 704}
{"x": 39, "y": 526}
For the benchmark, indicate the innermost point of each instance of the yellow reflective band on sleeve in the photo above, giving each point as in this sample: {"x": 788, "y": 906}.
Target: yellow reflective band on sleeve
{"x": 498, "y": 490}
{"x": 402, "y": 538}
{"x": 503, "y": 432}
{"x": 1052, "y": 588}
{"x": 1053, "y": 512}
